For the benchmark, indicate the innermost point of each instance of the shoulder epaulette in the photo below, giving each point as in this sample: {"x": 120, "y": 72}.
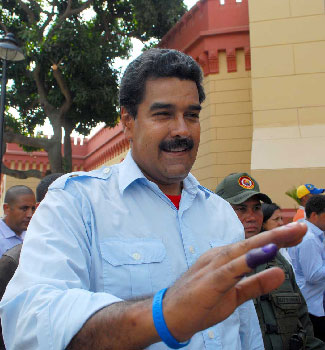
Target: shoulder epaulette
{"x": 102, "y": 173}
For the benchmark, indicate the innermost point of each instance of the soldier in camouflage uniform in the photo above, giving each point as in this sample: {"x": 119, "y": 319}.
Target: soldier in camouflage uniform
{"x": 283, "y": 313}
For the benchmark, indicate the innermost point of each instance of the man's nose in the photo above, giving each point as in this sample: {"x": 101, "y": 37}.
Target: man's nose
{"x": 250, "y": 215}
{"x": 29, "y": 212}
{"x": 179, "y": 127}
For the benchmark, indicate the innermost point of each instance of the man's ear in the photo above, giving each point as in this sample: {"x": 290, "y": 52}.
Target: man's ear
{"x": 6, "y": 208}
{"x": 312, "y": 217}
{"x": 128, "y": 123}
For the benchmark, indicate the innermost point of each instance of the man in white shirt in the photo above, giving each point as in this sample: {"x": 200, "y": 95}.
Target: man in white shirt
{"x": 140, "y": 255}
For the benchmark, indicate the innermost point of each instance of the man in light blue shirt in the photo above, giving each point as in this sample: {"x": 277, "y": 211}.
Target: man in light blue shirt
{"x": 102, "y": 243}
{"x": 308, "y": 260}
{"x": 19, "y": 206}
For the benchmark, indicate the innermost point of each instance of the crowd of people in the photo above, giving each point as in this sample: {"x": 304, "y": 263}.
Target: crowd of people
{"x": 139, "y": 255}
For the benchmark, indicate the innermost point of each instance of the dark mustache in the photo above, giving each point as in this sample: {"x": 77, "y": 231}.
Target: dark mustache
{"x": 169, "y": 145}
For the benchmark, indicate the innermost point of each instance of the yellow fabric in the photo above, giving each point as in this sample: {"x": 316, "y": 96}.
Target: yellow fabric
{"x": 302, "y": 191}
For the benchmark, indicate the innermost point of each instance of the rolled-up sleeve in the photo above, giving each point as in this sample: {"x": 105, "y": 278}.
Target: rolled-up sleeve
{"x": 50, "y": 298}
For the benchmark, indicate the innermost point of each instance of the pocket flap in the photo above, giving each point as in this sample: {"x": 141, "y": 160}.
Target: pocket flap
{"x": 132, "y": 251}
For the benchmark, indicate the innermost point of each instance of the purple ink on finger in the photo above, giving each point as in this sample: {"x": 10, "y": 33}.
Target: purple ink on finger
{"x": 260, "y": 256}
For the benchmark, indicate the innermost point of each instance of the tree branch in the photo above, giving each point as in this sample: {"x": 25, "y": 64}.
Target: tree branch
{"x": 21, "y": 174}
{"x": 69, "y": 12}
{"x": 64, "y": 89}
{"x": 41, "y": 91}
{"x": 29, "y": 12}
{"x": 47, "y": 22}
{"x": 11, "y": 137}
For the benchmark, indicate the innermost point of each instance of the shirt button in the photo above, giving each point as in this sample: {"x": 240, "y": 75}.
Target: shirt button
{"x": 192, "y": 250}
{"x": 136, "y": 256}
{"x": 107, "y": 170}
{"x": 211, "y": 334}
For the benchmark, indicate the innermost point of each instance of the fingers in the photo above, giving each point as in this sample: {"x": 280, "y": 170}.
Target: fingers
{"x": 213, "y": 287}
{"x": 260, "y": 256}
{"x": 229, "y": 274}
{"x": 233, "y": 257}
{"x": 285, "y": 236}
{"x": 258, "y": 284}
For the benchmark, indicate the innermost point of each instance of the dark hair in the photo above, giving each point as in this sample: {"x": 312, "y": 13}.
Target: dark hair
{"x": 44, "y": 184}
{"x": 16, "y": 191}
{"x": 315, "y": 204}
{"x": 156, "y": 63}
{"x": 268, "y": 210}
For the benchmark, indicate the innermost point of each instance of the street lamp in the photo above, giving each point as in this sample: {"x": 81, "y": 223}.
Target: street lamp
{"x": 9, "y": 51}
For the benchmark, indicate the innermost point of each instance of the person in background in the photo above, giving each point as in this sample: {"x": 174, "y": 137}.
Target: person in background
{"x": 304, "y": 192}
{"x": 19, "y": 206}
{"x": 44, "y": 184}
{"x": 10, "y": 259}
{"x": 308, "y": 260}
{"x": 282, "y": 313}
{"x": 272, "y": 218}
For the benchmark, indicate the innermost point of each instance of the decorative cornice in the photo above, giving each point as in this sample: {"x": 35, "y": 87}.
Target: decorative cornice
{"x": 103, "y": 146}
{"x": 209, "y": 28}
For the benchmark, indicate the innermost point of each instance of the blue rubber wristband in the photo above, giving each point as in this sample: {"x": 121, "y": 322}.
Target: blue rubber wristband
{"x": 160, "y": 324}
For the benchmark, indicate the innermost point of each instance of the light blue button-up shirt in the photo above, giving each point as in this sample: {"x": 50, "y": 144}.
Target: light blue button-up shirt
{"x": 8, "y": 237}
{"x": 111, "y": 235}
{"x": 308, "y": 259}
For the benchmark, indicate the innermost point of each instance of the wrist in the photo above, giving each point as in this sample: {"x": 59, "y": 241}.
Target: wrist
{"x": 160, "y": 323}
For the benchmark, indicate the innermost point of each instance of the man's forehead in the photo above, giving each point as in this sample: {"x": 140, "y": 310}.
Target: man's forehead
{"x": 24, "y": 198}
{"x": 250, "y": 201}
{"x": 155, "y": 86}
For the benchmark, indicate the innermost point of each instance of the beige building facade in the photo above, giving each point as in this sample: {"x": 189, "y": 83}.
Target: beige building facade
{"x": 226, "y": 124}
{"x": 288, "y": 94}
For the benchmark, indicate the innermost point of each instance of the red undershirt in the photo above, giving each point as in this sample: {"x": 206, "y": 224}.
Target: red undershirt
{"x": 175, "y": 200}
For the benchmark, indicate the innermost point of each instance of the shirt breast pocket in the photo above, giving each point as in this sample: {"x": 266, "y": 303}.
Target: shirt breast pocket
{"x": 134, "y": 267}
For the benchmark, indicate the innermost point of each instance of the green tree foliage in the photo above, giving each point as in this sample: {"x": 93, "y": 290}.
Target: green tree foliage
{"x": 68, "y": 74}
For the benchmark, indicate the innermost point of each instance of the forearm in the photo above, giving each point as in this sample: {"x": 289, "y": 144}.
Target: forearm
{"x": 123, "y": 325}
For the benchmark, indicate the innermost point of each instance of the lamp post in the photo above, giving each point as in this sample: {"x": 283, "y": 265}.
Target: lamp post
{"x": 9, "y": 51}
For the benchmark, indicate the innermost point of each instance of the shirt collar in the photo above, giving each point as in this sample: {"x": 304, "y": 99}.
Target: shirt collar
{"x": 315, "y": 230}
{"x": 6, "y": 230}
{"x": 129, "y": 172}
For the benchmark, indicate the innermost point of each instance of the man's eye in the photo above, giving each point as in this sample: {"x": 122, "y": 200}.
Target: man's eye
{"x": 241, "y": 209}
{"x": 162, "y": 113}
{"x": 192, "y": 115}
